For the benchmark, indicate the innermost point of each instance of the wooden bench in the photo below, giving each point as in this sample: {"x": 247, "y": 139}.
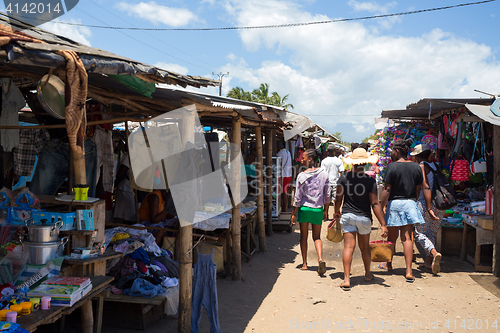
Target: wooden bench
{"x": 132, "y": 312}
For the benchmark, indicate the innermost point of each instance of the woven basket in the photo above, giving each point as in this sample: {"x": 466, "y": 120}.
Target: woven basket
{"x": 460, "y": 171}
{"x": 334, "y": 232}
{"x": 381, "y": 251}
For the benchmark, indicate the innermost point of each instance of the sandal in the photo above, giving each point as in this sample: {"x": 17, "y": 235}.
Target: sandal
{"x": 321, "y": 268}
{"x": 436, "y": 267}
{"x": 345, "y": 288}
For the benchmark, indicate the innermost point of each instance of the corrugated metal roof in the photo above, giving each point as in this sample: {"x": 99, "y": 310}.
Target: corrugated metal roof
{"x": 95, "y": 60}
{"x": 432, "y": 107}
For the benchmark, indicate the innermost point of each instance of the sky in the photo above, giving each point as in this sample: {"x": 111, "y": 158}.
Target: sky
{"x": 341, "y": 75}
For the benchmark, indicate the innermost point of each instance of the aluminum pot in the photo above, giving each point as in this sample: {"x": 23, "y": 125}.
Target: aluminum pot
{"x": 41, "y": 253}
{"x": 43, "y": 233}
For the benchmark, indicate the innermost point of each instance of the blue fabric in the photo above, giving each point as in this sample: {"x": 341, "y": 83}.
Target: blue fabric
{"x": 144, "y": 288}
{"x": 354, "y": 223}
{"x": 52, "y": 168}
{"x": 205, "y": 293}
{"x": 401, "y": 212}
{"x": 140, "y": 254}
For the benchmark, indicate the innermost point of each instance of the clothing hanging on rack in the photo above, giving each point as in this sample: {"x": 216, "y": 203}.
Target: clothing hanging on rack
{"x": 12, "y": 102}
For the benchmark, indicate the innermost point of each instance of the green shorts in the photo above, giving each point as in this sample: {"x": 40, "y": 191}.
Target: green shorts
{"x": 311, "y": 215}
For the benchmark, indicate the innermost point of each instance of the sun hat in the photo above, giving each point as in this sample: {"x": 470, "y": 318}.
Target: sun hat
{"x": 360, "y": 156}
{"x": 419, "y": 149}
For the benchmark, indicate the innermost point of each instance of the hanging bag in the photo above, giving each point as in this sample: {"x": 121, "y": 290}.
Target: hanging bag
{"x": 443, "y": 194}
{"x": 381, "y": 250}
{"x": 479, "y": 165}
{"x": 334, "y": 231}
{"x": 460, "y": 169}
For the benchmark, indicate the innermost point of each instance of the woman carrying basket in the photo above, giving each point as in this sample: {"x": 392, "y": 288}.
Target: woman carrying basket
{"x": 403, "y": 181}
{"x": 359, "y": 193}
{"x": 312, "y": 197}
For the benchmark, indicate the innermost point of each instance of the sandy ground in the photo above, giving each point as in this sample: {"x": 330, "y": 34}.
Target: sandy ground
{"x": 275, "y": 296}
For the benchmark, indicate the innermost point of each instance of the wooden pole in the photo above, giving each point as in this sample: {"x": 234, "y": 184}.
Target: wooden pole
{"x": 136, "y": 199}
{"x": 69, "y": 191}
{"x": 496, "y": 201}
{"x": 269, "y": 183}
{"x": 87, "y": 317}
{"x": 260, "y": 191}
{"x": 186, "y": 243}
{"x": 236, "y": 219}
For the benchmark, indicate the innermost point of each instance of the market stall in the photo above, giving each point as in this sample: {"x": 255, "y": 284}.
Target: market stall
{"x": 463, "y": 142}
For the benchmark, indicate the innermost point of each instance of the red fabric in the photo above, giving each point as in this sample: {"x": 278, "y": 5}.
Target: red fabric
{"x": 285, "y": 183}
{"x": 489, "y": 202}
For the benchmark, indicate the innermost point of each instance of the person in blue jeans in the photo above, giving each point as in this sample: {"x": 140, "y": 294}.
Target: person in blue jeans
{"x": 359, "y": 194}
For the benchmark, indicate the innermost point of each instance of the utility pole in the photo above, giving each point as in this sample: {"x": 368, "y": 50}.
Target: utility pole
{"x": 220, "y": 75}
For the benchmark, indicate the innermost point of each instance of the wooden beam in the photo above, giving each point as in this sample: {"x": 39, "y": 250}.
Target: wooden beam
{"x": 236, "y": 219}
{"x": 269, "y": 183}
{"x": 260, "y": 191}
{"x": 496, "y": 201}
{"x": 186, "y": 243}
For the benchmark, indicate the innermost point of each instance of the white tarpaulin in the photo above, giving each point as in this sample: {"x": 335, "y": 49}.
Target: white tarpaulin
{"x": 302, "y": 123}
{"x": 484, "y": 112}
{"x": 381, "y": 123}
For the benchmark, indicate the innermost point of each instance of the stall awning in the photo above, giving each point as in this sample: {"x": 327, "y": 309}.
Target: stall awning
{"x": 484, "y": 112}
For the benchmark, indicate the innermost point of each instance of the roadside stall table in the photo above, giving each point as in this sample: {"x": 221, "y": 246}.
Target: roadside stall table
{"x": 88, "y": 267}
{"x": 483, "y": 237}
{"x": 44, "y": 317}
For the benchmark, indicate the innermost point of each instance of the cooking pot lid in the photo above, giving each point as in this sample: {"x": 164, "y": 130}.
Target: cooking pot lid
{"x": 44, "y": 244}
{"x": 50, "y": 92}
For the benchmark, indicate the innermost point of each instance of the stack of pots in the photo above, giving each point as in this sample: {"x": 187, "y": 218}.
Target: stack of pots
{"x": 43, "y": 242}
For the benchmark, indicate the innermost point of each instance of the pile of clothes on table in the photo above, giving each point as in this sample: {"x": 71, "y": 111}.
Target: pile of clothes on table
{"x": 146, "y": 270}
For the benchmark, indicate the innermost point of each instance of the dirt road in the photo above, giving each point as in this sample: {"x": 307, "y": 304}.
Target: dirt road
{"x": 275, "y": 296}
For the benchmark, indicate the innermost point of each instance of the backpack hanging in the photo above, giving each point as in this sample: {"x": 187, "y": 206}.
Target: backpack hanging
{"x": 443, "y": 194}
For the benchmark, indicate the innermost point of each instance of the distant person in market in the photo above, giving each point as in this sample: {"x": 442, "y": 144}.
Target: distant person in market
{"x": 333, "y": 165}
{"x": 358, "y": 191}
{"x": 403, "y": 182}
{"x": 312, "y": 198}
{"x": 426, "y": 234}
{"x": 286, "y": 173}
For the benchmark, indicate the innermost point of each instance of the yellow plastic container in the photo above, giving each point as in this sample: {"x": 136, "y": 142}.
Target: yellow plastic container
{"x": 3, "y": 315}
{"x": 35, "y": 304}
{"x": 26, "y": 308}
{"x": 17, "y": 308}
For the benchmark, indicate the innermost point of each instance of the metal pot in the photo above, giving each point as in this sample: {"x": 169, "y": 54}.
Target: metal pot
{"x": 41, "y": 253}
{"x": 43, "y": 233}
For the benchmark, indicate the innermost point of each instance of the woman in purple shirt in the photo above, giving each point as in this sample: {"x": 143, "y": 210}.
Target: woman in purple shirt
{"x": 312, "y": 197}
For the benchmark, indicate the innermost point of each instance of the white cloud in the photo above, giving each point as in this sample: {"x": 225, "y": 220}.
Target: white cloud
{"x": 155, "y": 13}
{"x": 347, "y": 69}
{"x": 372, "y": 6}
{"x": 179, "y": 69}
{"x": 76, "y": 33}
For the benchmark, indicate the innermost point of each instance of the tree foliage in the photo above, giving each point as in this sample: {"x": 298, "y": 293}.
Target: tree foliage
{"x": 261, "y": 95}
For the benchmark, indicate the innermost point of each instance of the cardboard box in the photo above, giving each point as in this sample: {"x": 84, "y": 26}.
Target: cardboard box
{"x": 485, "y": 222}
{"x": 85, "y": 219}
{"x": 68, "y": 218}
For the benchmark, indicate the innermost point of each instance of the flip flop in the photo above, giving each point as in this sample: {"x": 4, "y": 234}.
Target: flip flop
{"x": 436, "y": 267}
{"x": 345, "y": 288}
{"x": 410, "y": 280}
{"x": 322, "y": 268}
{"x": 384, "y": 268}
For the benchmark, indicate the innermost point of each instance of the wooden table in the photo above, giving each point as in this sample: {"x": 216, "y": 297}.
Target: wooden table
{"x": 477, "y": 253}
{"x": 44, "y": 317}
{"x": 88, "y": 267}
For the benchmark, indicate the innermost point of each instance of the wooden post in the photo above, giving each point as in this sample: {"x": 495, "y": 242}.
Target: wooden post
{"x": 87, "y": 316}
{"x": 79, "y": 165}
{"x": 269, "y": 183}
{"x": 186, "y": 243}
{"x": 136, "y": 202}
{"x": 69, "y": 190}
{"x": 236, "y": 219}
{"x": 496, "y": 202}
{"x": 260, "y": 191}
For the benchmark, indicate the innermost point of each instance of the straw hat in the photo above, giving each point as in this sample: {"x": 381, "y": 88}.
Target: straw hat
{"x": 360, "y": 156}
{"x": 419, "y": 149}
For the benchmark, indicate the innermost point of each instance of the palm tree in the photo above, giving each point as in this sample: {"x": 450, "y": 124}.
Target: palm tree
{"x": 278, "y": 101}
{"x": 240, "y": 93}
{"x": 261, "y": 95}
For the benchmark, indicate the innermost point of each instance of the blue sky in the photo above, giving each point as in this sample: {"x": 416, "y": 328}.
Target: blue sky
{"x": 339, "y": 74}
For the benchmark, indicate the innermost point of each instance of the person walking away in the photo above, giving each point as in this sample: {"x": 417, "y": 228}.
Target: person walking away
{"x": 359, "y": 193}
{"x": 309, "y": 206}
{"x": 403, "y": 181}
{"x": 426, "y": 233}
{"x": 333, "y": 165}
{"x": 286, "y": 173}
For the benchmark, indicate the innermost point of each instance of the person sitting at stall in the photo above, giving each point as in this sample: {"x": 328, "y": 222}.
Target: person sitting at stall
{"x": 158, "y": 210}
